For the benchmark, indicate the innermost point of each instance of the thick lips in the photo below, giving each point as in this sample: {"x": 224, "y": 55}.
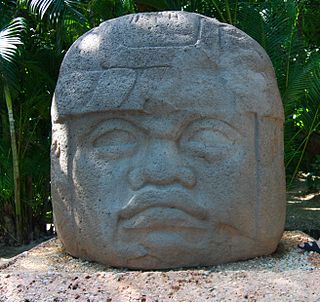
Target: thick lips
{"x": 172, "y": 199}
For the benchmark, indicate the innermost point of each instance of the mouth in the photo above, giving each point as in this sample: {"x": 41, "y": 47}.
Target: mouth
{"x": 168, "y": 209}
{"x": 164, "y": 219}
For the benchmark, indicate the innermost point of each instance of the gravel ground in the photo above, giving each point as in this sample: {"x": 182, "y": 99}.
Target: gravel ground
{"x": 46, "y": 273}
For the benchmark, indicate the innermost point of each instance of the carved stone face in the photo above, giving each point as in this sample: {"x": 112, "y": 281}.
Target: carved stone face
{"x": 155, "y": 185}
{"x": 179, "y": 172}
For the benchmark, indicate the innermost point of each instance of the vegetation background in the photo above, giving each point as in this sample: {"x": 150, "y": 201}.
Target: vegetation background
{"x": 35, "y": 35}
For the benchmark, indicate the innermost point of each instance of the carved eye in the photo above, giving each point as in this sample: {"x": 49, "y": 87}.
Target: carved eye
{"x": 206, "y": 142}
{"x": 115, "y": 143}
{"x": 114, "y": 139}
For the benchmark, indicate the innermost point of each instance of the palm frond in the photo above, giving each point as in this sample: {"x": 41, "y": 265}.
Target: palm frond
{"x": 40, "y": 6}
{"x": 57, "y": 9}
{"x": 10, "y": 39}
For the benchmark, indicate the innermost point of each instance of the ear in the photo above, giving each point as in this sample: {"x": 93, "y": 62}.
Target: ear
{"x": 271, "y": 188}
{"x": 61, "y": 192}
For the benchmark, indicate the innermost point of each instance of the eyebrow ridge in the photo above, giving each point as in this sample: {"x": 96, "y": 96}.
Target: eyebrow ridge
{"x": 175, "y": 135}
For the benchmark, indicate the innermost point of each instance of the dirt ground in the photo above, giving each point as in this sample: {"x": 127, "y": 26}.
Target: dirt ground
{"x": 303, "y": 211}
{"x": 47, "y": 273}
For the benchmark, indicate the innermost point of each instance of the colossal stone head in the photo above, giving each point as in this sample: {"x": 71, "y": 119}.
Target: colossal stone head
{"x": 167, "y": 144}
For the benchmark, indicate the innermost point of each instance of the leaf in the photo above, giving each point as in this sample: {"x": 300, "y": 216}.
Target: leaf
{"x": 10, "y": 39}
{"x": 157, "y": 4}
{"x": 58, "y": 9}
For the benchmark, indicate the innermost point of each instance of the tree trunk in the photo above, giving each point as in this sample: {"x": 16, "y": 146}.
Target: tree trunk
{"x": 28, "y": 212}
{"x": 15, "y": 161}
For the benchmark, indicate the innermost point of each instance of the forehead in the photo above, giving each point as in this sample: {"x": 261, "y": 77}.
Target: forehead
{"x": 200, "y": 91}
{"x": 125, "y": 89}
{"x": 185, "y": 61}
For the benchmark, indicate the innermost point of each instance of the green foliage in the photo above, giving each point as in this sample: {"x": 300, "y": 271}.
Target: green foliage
{"x": 101, "y": 10}
{"x": 10, "y": 39}
{"x": 6, "y": 179}
{"x": 310, "y": 21}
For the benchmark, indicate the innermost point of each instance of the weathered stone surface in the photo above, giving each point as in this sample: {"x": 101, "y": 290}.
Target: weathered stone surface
{"x": 167, "y": 144}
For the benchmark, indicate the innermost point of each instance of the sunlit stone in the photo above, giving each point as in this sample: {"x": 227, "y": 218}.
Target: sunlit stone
{"x": 167, "y": 144}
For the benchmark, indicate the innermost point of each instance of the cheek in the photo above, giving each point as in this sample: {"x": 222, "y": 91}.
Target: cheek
{"x": 223, "y": 171}
{"x": 91, "y": 173}
{"x": 228, "y": 190}
{"x": 99, "y": 194}
{"x": 231, "y": 181}
{"x": 100, "y": 181}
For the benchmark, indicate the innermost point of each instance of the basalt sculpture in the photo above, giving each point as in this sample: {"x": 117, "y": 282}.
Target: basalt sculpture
{"x": 167, "y": 144}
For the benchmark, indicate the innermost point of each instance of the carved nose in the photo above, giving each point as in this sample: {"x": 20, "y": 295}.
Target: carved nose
{"x": 161, "y": 165}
